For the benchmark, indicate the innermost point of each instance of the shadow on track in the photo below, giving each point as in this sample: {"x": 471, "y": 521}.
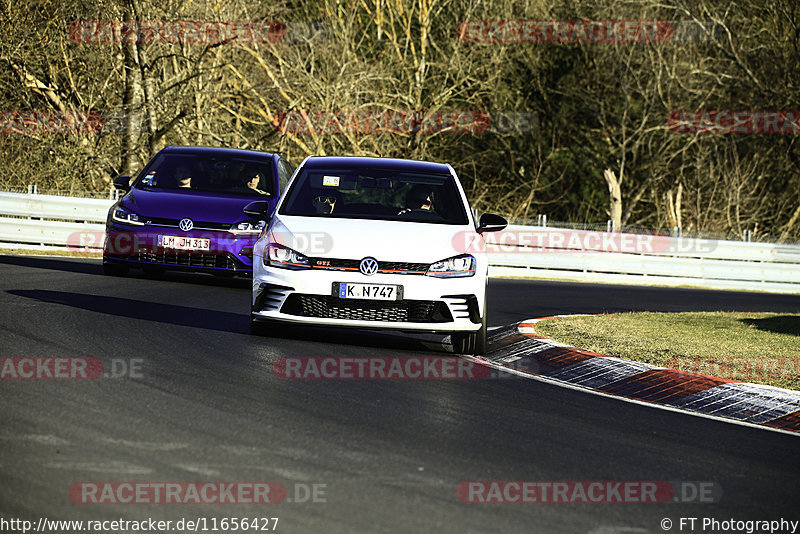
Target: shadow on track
{"x": 137, "y": 309}
{"x": 76, "y": 265}
{"x": 226, "y": 321}
{"x": 93, "y": 266}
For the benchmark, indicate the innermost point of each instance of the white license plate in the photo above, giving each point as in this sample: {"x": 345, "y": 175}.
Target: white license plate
{"x": 184, "y": 243}
{"x": 368, "y": 291}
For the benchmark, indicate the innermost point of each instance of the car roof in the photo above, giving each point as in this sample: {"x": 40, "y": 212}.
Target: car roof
{"x": 206, "y": 150}
{"x": 353, "y": 162}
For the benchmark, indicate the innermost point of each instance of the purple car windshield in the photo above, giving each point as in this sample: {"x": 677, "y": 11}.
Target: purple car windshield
{"x": 209, "y": 173}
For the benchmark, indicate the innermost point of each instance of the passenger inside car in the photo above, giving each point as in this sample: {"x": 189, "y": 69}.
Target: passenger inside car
{"x": 325, "y": 202}
{"x": 183, "y": 176}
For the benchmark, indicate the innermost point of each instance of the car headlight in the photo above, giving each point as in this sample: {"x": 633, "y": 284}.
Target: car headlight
{"x": 454, "y": 267}
{"x": 248, "y": 227}
{"x": 124, "y": 216}
{"x": 279, "y": 256}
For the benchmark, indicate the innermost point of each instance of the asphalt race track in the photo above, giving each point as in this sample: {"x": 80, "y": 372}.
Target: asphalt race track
{"x": 386, "y": 455}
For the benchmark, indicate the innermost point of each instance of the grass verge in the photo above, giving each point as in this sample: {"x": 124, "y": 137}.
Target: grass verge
{"x": 763, "y": 348}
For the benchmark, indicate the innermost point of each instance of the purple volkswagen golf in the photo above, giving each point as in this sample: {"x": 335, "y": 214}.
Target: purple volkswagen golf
{"x": 184, "y": 211}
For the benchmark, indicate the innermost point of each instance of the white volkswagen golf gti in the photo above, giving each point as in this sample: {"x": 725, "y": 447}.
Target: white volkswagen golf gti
{"x": 374, "y": 243}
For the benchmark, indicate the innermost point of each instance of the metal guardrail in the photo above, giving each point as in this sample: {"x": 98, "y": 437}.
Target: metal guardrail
{"x": 55, "y": 207}
{"x": 526, "y": 252}
{"x": 50, "y": 221}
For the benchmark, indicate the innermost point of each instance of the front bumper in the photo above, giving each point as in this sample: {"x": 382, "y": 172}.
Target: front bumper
{"x": 427, "y": 304}
{"x": 139, "y": 247}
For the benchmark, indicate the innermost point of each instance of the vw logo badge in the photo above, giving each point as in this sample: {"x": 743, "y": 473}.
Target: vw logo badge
{"x": 186, "y": 224}
{"x": 368, "y": 266}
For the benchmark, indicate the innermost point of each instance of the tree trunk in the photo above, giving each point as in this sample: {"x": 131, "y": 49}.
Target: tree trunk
{"x": 674, "y": 208}
{"x": 131, "y": 103}
{"x": 787, "y": 230}
{"x": 615, "y": 198}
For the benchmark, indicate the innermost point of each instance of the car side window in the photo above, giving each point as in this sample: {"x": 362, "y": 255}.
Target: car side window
{"x": 284, "y": 173}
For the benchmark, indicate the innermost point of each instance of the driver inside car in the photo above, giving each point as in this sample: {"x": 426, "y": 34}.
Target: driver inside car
{"x": 418, "y": 198}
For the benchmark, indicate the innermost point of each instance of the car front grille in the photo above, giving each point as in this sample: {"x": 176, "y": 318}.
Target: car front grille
{"x": 195, "y": 259}
{"x": 398, "y": 311}
{"x": 384, "y": 267}
{"x": 197, "y": 225}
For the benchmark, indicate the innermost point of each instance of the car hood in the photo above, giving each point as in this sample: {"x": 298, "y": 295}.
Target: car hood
{"x": 196, "y": 205}
{"x": 319, "y": 237}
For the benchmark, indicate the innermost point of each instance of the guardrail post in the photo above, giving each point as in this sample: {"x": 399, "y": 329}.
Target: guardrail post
{"x": 611, "y": 226}
{"x": 747, "y": 236}
{"x": 32, "y": 189}
{"x": 676, "y": 231}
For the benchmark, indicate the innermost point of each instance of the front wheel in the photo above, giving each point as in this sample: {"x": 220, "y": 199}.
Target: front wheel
{"x": 261, "y": 327}
{"x": 115, "y": 269}
{"x": 471, "y": 342}
{"x": 152, "y": 271}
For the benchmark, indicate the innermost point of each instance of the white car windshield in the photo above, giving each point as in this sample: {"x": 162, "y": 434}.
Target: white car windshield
{"x": 375, "y": 194}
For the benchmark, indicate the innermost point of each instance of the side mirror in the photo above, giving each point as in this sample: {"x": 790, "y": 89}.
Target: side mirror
{"x": 257, "y": 209}
{"x": 491, "y": 222}
{"x": 123, "y": 183}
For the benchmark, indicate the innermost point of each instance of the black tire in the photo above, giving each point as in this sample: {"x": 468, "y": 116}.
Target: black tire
{"x": 261, "y": 327}
{"x": 115, "y": 269}
{"x": 152, "y": 271}
{"x": 471, "y": 342}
